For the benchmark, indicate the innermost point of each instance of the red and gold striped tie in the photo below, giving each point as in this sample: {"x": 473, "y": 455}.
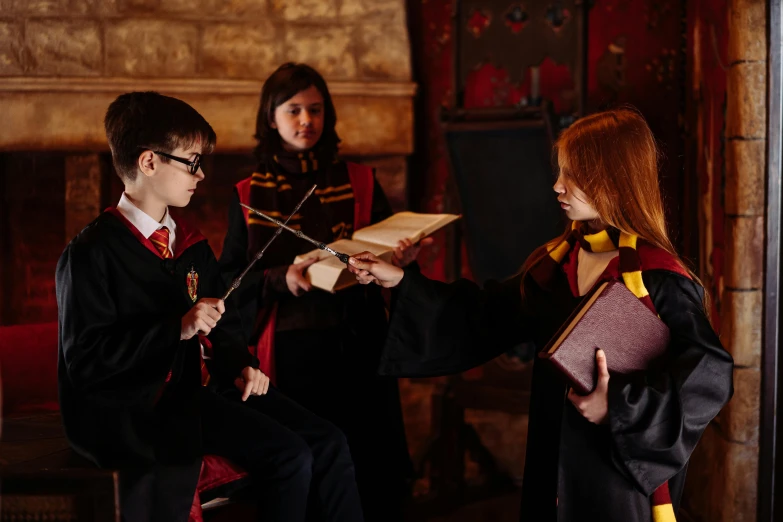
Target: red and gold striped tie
{"x": 160, "y": 238}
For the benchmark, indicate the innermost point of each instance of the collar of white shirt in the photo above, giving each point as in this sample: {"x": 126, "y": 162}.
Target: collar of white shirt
{"x": 144, "y": 223}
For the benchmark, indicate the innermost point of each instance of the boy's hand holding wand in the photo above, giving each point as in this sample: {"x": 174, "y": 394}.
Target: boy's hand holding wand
{"x": 205, "y": 314}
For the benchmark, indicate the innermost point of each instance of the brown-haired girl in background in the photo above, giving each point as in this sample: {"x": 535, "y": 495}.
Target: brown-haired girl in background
{"x": 320, "y": 349}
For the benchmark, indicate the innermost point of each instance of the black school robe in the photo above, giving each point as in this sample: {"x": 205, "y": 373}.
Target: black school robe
{"x": 120, "y": 308}
{"x": 350, "y": 325}
{"x": 574, "y": 470}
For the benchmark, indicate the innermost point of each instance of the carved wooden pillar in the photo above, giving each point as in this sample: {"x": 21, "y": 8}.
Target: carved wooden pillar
{"x": 83, "y": 181}
{"x": 5, "y": 247}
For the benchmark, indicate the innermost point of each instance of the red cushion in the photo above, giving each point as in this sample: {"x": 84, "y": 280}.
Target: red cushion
{"x": 28, "y": 368}
{"x": 28, "y": 373}
{"x": 215, "y": 471}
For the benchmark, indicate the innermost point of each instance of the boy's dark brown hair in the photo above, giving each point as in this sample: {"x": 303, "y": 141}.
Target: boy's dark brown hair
{"x": 282, "y": 85}
{"x": 139, "y": 121}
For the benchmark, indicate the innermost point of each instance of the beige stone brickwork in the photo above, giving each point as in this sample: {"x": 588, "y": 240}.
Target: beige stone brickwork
{"x": 12, "y": 48}
{"x": 99, "y": 48}
{"x": 744, "y": 267}
{"x": 328, "y": 49}
{"x": 63, "y": 48}
{"x": 740, "y": 418}
{"x": 298, "y": 10}
{"x": 722, "y": 484}
{"x": 234, "y": 50}
{"x": 741, "y": 325}
{"x": 749, "y": 43}
{"x": 151, "y": 48}
{"x": 746, "y": 111}
{"x": 745, "y": 177}
{"x": 73, "y": 120}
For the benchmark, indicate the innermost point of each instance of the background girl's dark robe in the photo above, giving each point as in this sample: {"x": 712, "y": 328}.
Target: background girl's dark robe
{"x": 574, "y": 470}
{"x": 327, "y": 346}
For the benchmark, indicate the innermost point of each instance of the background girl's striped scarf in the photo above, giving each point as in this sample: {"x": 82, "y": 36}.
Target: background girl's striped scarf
{"x": 546, "y": 271}
{"x": 271, "y": 192}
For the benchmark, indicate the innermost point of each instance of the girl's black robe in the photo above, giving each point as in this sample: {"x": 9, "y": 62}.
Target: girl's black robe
{"x": 574, "y": 470}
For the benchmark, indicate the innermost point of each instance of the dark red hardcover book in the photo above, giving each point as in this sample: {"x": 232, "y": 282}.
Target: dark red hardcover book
{"x": 614, "y": 320}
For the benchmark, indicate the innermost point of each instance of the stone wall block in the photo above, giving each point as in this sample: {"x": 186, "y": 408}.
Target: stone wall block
{"x": 313, "y": 10}
{"x": 741, "y": 326}
{"x": 745, "y": 177}
{"x": 746, "y": 111}
{"x": 65, "y": 47}
{"x": 38, "y": 7}
{"x": 12, "y": 48}
{"x": 740, "y": 417}
{"x": 93, "y": 7}
{"x": 240, "y": 50}
{"x": 744, "y": 266}
{"x": 363, "y": 8}
{"x": 384, "y": 50}
{"x": 327, "y": 48}
{"x": 146, "y": 47}
{"x": 747, "y": 22}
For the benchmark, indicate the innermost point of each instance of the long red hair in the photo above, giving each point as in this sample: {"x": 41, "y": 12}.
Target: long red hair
{"x": 612, "y": 157}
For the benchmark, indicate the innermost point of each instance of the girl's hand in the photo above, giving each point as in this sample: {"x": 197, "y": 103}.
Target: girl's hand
{"x": 594, "y": 407}
{"x": 407, "y": 252}
{"x": 295, "y": 279}
{"x": 371, "y": 269}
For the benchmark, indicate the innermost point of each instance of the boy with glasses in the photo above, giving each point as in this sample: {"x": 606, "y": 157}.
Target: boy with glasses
{"x": 152, "y": 374}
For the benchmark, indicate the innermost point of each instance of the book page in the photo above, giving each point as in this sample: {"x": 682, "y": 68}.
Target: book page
{"x": 403, "y": 225}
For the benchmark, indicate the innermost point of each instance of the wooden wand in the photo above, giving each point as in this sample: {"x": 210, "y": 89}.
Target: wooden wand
{"x": 235, "y": 283}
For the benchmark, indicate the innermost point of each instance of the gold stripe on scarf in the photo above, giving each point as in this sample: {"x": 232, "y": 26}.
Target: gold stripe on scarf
{"x": 600, "y": 242}
{"x": 252, "y": 220}
{"x": 329, "y": 190}
{"x": 264, "y": 184}
{"x": 276, "y": 214}
{"x": 663, "y": 513}
{"x": 337, "y": 198}
{"x": 633, "y": 280}
{"x": 559, "y": 252}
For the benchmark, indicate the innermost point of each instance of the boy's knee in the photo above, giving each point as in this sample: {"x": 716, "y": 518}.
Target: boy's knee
{"x": 298, "y": 461}
{"x": 334, "y": 440}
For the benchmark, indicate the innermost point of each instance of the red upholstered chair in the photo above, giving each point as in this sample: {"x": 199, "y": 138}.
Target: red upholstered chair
{"x": 28, "y": 373}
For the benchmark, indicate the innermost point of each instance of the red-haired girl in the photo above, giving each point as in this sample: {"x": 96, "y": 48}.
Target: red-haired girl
{"x": 620, "y": 453}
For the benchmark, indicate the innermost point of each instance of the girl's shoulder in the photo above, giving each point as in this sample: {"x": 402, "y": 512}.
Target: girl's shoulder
{"x": 654, "y": 258}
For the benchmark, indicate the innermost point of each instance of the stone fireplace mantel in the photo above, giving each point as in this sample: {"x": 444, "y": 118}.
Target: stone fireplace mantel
{"x": 375, "y": 118}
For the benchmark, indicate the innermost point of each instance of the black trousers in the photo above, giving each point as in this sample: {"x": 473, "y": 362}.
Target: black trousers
{"x": 334, "y": 374}
{"x": 290, "y": 453}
